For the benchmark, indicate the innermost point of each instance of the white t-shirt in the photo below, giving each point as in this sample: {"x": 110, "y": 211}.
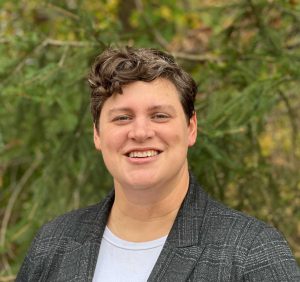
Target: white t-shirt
{"x": 123, "y": 261}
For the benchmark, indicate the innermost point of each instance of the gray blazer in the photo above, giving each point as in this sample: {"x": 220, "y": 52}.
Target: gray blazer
{"x": 208, "y": 242}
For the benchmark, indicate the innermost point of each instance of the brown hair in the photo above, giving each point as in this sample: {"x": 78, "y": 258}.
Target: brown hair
{"x": 115, "y": 68}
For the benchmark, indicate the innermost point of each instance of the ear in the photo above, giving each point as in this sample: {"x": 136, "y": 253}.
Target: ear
{"x": 192, "y": 130}
{"x": 97, "y": 139}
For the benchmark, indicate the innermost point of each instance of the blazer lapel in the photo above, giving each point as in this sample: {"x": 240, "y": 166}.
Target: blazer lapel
{"x": 85, "y": 251}
{"x": 175, "y": 264}
{"x": 178, "y": 256}
{"x": 75, "y": 265}
{"x": 92, "y": 244}
{"x": 182, "y": 248}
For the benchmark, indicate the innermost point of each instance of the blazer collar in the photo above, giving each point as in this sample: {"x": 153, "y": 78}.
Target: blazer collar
{"x": 91, "y": 243}
{"x": 182, "y": 248}
{"x": 186, "y": 228}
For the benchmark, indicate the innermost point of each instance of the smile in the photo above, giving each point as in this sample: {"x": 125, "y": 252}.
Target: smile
{"x": 144, "y": 154}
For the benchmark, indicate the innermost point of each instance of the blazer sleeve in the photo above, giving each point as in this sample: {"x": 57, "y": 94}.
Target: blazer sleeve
{"x": 32, "y": 263}
{"x": 270, "y": 259}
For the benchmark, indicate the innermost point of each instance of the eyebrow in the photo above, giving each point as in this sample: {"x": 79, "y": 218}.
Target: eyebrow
{"x": 162, "y": 107}
{"x": 149, "y": 109}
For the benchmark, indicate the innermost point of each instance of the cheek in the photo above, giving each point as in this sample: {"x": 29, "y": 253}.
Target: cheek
{"x": 175, "y": 136}
{"x": 112, "y": 140}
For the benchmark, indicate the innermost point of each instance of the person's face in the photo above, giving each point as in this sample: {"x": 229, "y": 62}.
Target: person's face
{"x": 144, "y": 134}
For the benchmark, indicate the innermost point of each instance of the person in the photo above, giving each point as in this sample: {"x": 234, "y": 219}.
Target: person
{"x": 157, "y": 224}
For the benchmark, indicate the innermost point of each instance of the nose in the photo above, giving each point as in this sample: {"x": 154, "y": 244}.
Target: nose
{"x": 141, "y": 130}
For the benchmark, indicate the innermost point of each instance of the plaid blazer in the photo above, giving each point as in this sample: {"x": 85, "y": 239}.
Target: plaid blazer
{"x": 208, "y": 242}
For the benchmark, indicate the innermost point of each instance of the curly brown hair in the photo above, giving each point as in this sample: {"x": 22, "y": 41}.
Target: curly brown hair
{"x": 115, "y": 68}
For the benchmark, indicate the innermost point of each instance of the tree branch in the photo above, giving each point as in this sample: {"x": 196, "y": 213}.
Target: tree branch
{"x": 62, "y": 11}
{"x": 7, "y": 278}
{"x": 292, "y": 117}
{"x": 55, "y": 42}
{"x": 156, "y": 34}
{"x": 18, "y": 188}
{"x": 196, "y": 57}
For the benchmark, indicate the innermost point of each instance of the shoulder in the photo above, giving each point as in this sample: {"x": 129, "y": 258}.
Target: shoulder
{"x": 221, "y": 224}
{"x": 77, "y": 223}
{"x": 236, "y": 226}
{"x": 259, "y": 249}
{"x": 71, "y": 228}
{"x": 63, "y": 235}
{"x": 67, "y": 224}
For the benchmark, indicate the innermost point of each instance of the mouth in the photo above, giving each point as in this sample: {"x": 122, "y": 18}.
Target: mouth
{"x": 143, "y": 154}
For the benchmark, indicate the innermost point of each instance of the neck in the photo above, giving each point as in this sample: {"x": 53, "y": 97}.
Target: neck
{"x": 147, "y": 214}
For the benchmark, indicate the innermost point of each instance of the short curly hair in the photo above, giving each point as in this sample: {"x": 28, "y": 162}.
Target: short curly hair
{"x": 114, "y": 68}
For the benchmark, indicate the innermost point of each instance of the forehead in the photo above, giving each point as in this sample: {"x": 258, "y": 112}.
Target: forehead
{"x": 155, "y": 94}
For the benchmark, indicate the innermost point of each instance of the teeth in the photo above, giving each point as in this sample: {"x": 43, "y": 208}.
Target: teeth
{"x": 144, "y": 154}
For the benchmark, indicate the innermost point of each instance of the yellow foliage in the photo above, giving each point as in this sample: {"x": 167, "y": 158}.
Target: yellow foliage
{"x": 195, "y": 20}
{"x": 165, "y": 12}
{"x": 134, "y": 20}
{"x": 251, "y": 161}
{"x": 267, "y": 144}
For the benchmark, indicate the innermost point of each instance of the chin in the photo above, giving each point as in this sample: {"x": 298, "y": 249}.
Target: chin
{"x": 141, "y": 183}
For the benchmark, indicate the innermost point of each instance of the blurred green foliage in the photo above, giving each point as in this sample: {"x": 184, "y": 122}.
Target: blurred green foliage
{"x": 245, "y": 56}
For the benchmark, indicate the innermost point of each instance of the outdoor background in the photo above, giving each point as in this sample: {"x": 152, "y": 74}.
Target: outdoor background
{"x": 245, "y": 57}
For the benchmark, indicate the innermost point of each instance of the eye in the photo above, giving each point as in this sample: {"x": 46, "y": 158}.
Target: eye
{"x": 161, "y": 117}
{"x": 121, "y": 118}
